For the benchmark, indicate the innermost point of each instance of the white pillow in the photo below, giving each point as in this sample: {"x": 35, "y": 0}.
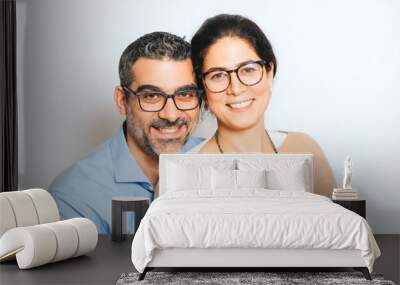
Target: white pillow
{"x": 223, "y": 179}
{"x": 251, "y": 179}
{"x": 183, "y": 177}
{"x": 290, "y": 178}
{"x": 223, "y": 164}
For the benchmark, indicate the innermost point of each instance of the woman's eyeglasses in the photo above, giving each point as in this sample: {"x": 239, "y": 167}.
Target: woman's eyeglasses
{"x": 249, "y": 73}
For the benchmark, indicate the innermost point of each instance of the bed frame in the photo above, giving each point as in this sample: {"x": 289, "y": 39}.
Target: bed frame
{"x": 248, "y": 259}
{"x": 260, "y": 259}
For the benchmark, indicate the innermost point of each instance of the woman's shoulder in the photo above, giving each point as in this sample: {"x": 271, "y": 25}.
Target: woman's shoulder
{"x": 296, "y": 141}
{"x": 300, "y": 136}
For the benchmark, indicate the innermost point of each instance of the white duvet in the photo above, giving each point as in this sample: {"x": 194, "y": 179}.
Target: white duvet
{"x": 251, "y": 218}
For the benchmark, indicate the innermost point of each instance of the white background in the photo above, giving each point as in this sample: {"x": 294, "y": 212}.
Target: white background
{"x": 338, "y": 80}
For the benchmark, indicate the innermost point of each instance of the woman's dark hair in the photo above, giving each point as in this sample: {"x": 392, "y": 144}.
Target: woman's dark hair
{"x": 225, "y": 25}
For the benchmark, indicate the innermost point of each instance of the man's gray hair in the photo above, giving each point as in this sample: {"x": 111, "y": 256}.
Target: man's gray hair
{"x": 156, "y": 45}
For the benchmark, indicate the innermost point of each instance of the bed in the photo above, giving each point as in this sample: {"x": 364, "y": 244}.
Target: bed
{"x": 245, "y": 211}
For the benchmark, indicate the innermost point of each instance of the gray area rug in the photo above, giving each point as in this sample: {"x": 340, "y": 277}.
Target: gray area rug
{"x": 273, "y": 278}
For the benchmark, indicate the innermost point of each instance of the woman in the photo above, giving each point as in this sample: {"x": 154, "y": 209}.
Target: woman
{"x": 235, "y": 66}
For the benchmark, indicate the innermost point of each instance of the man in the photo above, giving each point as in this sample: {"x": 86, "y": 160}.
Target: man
{"x": 159, "y": 98}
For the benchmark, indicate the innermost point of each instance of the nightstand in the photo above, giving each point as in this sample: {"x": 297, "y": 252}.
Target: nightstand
{"x": 120, "y": 205}
{"x": 357, "y": 206}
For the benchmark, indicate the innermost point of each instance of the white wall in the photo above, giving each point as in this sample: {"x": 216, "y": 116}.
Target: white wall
{"x": 338, "y": 80}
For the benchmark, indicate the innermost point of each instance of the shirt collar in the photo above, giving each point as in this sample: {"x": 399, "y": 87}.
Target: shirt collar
{"x": 126, "y": 169}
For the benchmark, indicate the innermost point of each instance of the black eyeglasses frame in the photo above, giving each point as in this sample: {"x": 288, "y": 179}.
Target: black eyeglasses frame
{"x": 165, "y": 95}
{"x": 261, "y": 62}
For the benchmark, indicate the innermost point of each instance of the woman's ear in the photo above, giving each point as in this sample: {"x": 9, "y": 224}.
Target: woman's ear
{"x": 120, "y": 100}
{"x": 270, "y": 72}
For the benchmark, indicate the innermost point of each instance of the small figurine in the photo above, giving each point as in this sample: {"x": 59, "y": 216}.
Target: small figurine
{"x": 347, "y": 173}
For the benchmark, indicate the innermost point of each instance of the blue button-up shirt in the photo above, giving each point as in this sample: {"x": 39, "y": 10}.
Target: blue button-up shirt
{"x": 86, "y": 188}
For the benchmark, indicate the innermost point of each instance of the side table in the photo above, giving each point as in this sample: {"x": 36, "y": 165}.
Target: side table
{"x": 357, "y": 206}
{"x": 119, "y": 206}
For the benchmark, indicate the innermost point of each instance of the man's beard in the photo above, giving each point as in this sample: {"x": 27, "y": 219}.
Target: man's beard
{"x": 141, "y": 134}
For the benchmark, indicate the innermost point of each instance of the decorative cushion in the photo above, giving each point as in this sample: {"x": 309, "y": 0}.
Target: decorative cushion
{"x": 251, "y": 178}
{"x": 183, "y": 178}
{"x": 293, "y": 178}
{"x": 281, "y": 174}
{"x": 223, "y": 179}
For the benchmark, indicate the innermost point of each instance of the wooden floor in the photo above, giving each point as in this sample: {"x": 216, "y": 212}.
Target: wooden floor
{"x": 388, "y": 263}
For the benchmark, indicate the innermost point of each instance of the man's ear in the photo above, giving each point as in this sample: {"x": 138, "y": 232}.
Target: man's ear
{"x": 120, "y": 100}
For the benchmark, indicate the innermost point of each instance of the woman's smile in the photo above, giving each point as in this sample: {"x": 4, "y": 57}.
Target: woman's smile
{"x": 241, "y": 106}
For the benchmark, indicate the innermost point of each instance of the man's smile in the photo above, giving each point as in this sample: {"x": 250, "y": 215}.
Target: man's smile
{"x": 170, "y": 132}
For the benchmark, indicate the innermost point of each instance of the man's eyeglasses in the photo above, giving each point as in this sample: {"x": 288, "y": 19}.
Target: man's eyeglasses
{"x": 249, "y": 73}
{"x": 155, "y": 101}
